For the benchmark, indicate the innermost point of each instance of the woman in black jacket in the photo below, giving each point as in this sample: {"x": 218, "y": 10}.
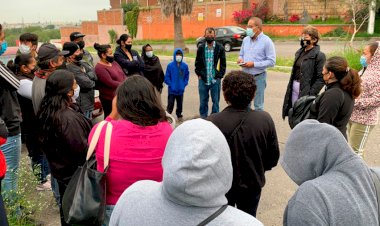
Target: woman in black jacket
{"x": 306, "y": 77}
{"x": 128, "y": 58}
{"x": 152, "y": 67}
{"x": 62, "y": 130}
{"x": 343, "y": 85}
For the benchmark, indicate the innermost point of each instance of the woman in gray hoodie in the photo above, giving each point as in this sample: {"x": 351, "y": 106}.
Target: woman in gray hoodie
{"x": 335, "y": 185}
{"x": 197, "y": 175}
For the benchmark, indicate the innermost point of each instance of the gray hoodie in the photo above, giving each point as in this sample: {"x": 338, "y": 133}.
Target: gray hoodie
{"x": 197, "y": 175}
{"x": 335, "y": 185}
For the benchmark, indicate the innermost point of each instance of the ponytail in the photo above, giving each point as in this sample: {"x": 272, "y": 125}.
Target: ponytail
{"x": 351, "y": 83}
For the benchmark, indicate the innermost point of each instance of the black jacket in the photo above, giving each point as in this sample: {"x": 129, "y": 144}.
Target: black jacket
{"x": 254, "y": 149}
{"x": 200, "y": 62}
{"x": 136, "y": 66}
{"x": 334, "y": 107}
{"x": 85, "y": 77}
{"x": 311, "y": 81}
{"x": 66, "y": 146}
{"x": 10, "y": 110}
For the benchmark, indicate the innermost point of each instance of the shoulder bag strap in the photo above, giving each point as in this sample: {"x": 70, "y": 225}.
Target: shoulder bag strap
{"x": 239, "y": 125}
{"x": 107, "y": 146}
{"x": 213, "y": 216}
{"x": 376, "y": 181}
{"x": 94, "y": 139}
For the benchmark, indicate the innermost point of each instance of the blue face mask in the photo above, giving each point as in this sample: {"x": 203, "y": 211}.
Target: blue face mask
{"x": 3, "y": 47}
{"x": 250, "y": 32}
{"x": 363, "y": 61}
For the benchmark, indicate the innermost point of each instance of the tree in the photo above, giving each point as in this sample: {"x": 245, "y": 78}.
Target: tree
{"x": 359, "y": 11}
{"x": 178, "y": 8}
{"x": 113, "y": 36}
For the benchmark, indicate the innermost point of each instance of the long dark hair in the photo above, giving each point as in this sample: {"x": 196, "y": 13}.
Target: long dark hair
{"x": 58, "y": 85}
{"x": 123, "y": 38}
{"x": 348, "y": 78}
{"x": 137, "y": 101}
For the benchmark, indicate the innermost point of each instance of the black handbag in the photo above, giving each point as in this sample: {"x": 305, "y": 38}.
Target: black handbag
{"x": 84, "y": 200}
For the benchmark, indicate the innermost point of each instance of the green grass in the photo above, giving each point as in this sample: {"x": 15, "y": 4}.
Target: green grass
{"x": 352, "y": 56}
{"x": 332, "y": 20}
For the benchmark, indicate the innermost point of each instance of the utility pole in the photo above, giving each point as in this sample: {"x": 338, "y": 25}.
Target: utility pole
{"x": 371, "y": 19}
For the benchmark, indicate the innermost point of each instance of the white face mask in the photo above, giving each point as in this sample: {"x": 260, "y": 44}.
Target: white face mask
{"x": 149, "y": 54}
{"x": 178, "y": 58}
{"x": 24, "y": 49}
{"x": 76, "y": 94}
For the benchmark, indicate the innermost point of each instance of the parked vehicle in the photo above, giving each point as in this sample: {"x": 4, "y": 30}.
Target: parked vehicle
{"x": 228, "y": 36}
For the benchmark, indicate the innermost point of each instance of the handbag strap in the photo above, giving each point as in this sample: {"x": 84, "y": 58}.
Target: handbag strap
{"x": 107, "y": 142}
{"x": 376, "y": 181}
{"x": 213, "y": 216}
{"x": 239, "y": 125}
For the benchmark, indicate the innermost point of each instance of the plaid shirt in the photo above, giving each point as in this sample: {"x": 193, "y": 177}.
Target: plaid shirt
{"x": 209, "y": 56}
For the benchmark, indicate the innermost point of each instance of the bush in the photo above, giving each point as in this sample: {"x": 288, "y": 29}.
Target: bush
{"x": 259, "y": 10}
{"x": 337, "y": 32}
{"x": 352, "y": 56}
{"x": 44, "y": 35}
{"x": 129, "y": 6}
{"x": 113, "y": 36}
{"x": 131, "y": 19}
{"x": 294, "y": 18}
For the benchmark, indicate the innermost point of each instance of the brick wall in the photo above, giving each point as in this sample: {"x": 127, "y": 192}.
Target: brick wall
{"x": 67, "y": 30}
{"x": 296, "y": 30}
{"x": 108, "y": 20}
{"x": 153, "y": 25}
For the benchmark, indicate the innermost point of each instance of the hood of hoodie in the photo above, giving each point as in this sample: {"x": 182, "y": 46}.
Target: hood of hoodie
{"x": 374, "y": 65}
{"x": 197, "y": 165}
{"x": 314, "y": 149}
{"x": 174, "y": 53}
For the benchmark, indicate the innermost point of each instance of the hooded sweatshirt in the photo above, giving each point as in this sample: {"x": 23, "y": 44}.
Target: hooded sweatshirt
{"x": 177, "y": 76}
{"x": 367, "y": 106}
{"x": 335, "y": 185}
{"x": 197, "y": 174}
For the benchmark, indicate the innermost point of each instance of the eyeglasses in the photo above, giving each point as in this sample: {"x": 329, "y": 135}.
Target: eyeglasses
{"x": 323, "y": 74}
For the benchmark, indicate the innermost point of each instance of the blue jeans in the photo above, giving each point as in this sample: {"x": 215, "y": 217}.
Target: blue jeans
{"x": 40, "y": 166}
{"x": 107, "y": 217}
{"x": 204, "y": 90}
{"x": 12, "y": 152}
{"x": 88, "y": 114}
{"x": 261, "y": 84}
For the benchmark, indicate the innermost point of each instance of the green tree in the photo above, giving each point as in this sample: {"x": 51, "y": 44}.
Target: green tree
{"x": 178, "y": 8}
{"x": 131, "y": 18}
{"x": 113, "y": 36}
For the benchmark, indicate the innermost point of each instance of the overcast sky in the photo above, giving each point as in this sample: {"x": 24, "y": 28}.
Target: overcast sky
{"x": 12, "y": 11}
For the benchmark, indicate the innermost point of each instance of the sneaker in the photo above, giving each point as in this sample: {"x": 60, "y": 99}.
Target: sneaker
{"x": 180, "y": 119}
{"x": 44, "y": 187}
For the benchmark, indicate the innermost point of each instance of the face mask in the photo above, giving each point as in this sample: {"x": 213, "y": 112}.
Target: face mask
{"x": 79, "y": 57}
{"x": 250, "y": 32}
{"x": 178, "y": 58}
{"x": 304, "y": 42}
{"x": 128, "y": 47}
{"x": 363, "y": 61}
{"x": 62, "y": 66}
{"x": 149, "y": 54}
{"x": 209, "y": 40}
{"x": 110, "y": 59}
{"x": 76, "y": 94}
{"x": 81, "y": 44}
{"x": 24, "y": 49}
{"x": 3, "y": 47}
{"x": 33, "y": 71}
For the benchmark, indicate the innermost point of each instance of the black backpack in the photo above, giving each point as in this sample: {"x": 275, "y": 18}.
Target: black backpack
{"x": 301, "y": 110}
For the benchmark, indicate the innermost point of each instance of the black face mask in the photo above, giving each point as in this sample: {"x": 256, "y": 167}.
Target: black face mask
{"x": 209, "y": 40}
{"x": 128, "y": 47}
{"x": 79, "y": 57}
{"x": 304, "y": 43}
{"x": 110, "y": 59}
{"x": 81, "y": 44}
{"x": 62, "y": 66}
{"x": 33, "y": 71}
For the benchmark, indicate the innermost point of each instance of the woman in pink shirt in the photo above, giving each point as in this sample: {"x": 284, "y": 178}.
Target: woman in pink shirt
{"x": 110, "y": 76}
{"x": 139, "y": 136}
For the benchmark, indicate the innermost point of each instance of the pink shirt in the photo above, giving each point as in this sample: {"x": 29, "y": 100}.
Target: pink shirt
{"x": 136, "y": 154}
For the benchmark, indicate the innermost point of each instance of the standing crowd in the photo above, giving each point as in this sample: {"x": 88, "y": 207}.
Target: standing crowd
{"x": 197, "y": 172}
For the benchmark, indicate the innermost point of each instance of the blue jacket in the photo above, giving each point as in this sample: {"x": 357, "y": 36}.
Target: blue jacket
{"x": 177, "y": 76}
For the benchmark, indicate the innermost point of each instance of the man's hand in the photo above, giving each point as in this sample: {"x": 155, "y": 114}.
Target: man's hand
{"x": 240, "y": 61}
{"x": 248, "y": 64}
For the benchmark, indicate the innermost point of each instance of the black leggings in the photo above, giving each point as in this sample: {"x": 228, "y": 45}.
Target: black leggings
{"x": 107, "y": 106}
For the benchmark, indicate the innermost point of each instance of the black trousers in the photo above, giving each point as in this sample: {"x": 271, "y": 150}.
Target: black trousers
{"x": 245, "y": 199}
{"x": 107, "y": 106}
{"x": 62, "y": 188}
{"x": 179, "y": 100}
{"x": 3, "y": 214}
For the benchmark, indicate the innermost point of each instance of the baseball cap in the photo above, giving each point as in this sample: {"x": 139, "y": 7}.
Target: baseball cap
{"x": 48, "y": 51}
{"x": 70, "y": 47}
{"x": 76, "y": 35}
